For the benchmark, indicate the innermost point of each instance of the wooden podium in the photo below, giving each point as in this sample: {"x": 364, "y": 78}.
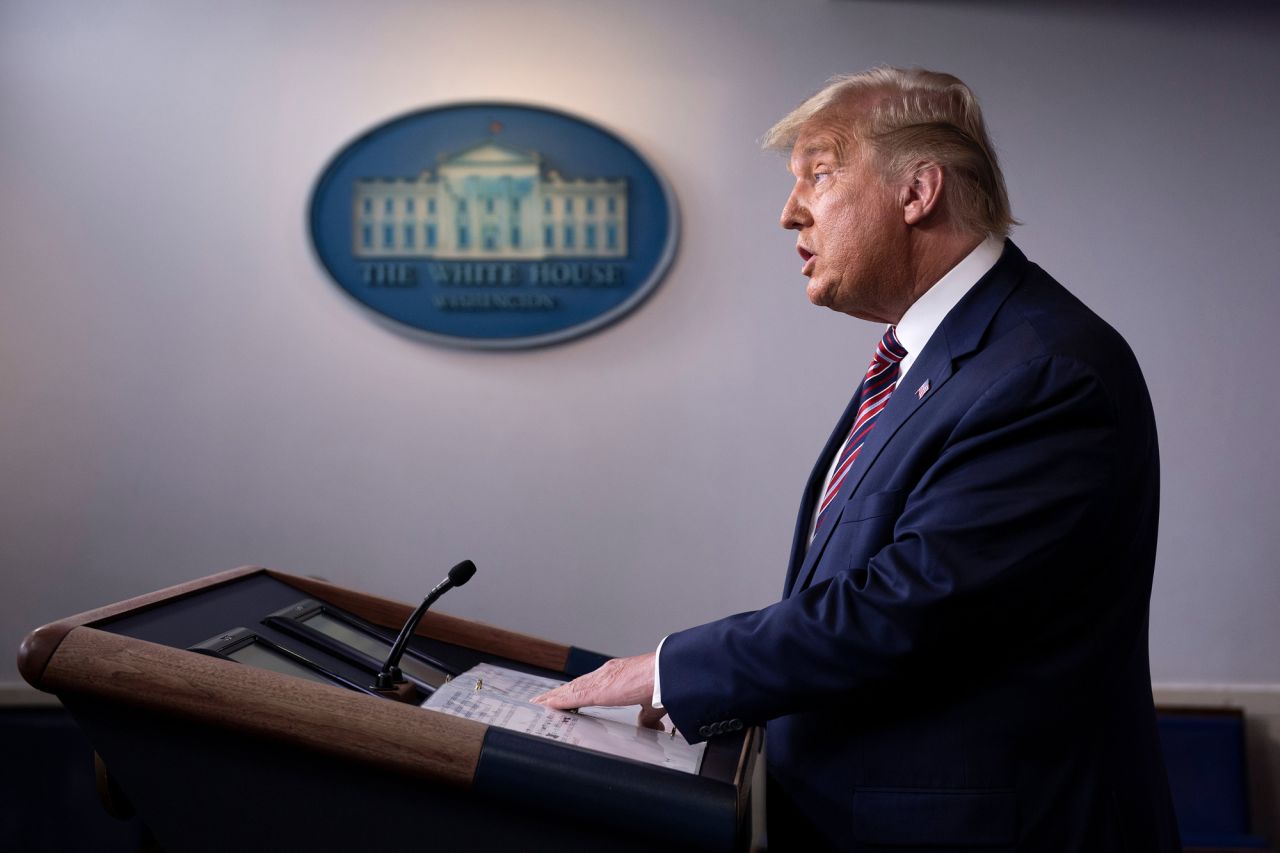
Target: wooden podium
{"x": 216, "y": 755}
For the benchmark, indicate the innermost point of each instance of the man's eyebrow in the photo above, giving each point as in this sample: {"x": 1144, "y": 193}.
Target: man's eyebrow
{"x": 823, "y": 142}
{"x": 819, "y": 147}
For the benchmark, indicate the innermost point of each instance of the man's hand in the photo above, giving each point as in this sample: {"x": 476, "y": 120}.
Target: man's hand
{"x": 621, "y": 681}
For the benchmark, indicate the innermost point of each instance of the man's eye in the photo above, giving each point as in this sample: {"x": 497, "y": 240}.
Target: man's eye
{"x": 819, "y": 177}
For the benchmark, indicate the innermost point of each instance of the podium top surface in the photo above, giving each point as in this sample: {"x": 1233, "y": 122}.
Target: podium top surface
{"x": 134, "y": 654}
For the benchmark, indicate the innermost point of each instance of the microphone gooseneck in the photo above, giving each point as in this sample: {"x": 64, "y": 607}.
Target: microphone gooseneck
{"x": 389, "y": 676}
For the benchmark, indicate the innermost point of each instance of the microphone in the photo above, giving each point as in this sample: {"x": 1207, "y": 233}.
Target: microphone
{"x": 389, "y": 676}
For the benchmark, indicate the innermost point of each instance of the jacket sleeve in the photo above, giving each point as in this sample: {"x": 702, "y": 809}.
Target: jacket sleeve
{"x": 992, "y": 534}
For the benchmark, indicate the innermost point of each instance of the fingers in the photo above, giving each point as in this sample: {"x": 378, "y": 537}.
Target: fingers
{"x": 561, "y": 698}
{"x": 651, "y": 717}
{"x": 574, "y": 694}
{"x": 621, "y": 681}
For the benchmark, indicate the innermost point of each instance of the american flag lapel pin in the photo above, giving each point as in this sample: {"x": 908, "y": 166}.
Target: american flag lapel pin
{"x": 922, "y": 390}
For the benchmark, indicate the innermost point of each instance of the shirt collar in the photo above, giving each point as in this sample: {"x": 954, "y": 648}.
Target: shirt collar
{"x": 927, "y": 313}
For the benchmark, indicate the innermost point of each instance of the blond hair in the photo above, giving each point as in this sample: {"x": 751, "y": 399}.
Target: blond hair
{"x": 906, "y": 116}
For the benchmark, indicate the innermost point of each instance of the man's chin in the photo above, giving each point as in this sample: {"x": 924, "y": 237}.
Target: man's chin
{"x": 818, "y": 295}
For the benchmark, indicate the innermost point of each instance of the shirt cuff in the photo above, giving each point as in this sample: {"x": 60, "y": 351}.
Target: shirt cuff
{"x": 657, "y": 676}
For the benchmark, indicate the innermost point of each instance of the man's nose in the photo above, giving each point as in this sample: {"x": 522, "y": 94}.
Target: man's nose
{"x": 795, "y": 215}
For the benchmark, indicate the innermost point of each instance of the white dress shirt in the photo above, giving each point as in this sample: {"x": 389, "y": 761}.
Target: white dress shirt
{"x": 914, "y": 330}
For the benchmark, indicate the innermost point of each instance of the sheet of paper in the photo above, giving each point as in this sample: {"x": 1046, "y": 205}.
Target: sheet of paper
{"x": 500, "y": 697}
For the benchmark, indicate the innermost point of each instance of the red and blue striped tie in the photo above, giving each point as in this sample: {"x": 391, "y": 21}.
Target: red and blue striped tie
{"x": 877, "y": 385}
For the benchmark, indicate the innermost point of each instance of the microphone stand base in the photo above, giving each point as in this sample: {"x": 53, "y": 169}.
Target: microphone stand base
{"x": 405, "y": 691}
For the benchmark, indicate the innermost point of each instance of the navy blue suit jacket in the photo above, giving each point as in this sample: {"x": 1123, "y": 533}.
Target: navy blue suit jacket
{"x": 960, "y": 658}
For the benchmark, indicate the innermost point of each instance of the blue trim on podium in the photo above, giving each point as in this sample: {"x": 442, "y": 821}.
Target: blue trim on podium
{"x": 581, "y": 661}
{"x": 661, "y": 806}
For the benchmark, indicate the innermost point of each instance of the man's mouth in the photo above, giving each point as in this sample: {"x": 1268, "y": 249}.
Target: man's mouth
{"x": 807, "y": 257}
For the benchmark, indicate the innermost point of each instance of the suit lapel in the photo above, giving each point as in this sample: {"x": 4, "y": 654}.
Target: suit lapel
{"x": 936, "y": 360}
{"x": 809, "y": 501}
{"x": 959, "y": 335}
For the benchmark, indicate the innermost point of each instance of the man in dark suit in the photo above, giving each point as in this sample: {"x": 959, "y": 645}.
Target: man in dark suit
{"x": 959, "y": 659}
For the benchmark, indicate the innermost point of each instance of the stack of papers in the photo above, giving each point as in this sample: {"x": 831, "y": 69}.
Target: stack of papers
{"x": 497, "y": 696}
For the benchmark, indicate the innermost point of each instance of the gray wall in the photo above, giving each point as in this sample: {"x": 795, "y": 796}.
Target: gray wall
{"x": 182, "y": 390}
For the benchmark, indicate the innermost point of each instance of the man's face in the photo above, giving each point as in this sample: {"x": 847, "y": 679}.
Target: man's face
{"x": 850, "y": 229}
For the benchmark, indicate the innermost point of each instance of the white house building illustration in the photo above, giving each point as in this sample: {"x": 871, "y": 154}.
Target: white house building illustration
{"x": 489, "y": 202}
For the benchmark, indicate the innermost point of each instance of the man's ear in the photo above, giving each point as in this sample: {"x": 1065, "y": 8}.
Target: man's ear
{"x": 922, "y": 194}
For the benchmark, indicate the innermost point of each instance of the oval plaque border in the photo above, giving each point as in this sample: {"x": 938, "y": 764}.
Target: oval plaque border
{"x": 642, "y": 292}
